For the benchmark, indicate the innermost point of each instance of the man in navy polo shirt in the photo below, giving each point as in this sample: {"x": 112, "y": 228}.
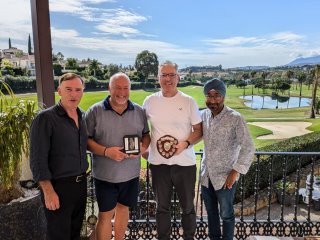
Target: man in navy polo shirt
{"x": 116, "y": 173}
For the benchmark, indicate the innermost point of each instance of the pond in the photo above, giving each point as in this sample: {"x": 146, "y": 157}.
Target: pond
{"x": 275, "y": 102}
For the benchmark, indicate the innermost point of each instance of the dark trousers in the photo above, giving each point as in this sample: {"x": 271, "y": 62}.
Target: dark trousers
{"x": 219, "y": 203}
{"x": 66, "y": 222}
{"x": 164, "y": 177}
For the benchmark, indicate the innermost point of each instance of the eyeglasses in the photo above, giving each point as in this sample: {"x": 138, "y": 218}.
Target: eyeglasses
{"x": 214, "y": 97}
{"x": 170, "y": 75}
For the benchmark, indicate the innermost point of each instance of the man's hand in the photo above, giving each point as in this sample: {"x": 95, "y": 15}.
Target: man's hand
{"x": 51, "y": 198}
{"x": 180, "y": 147}
{"x": 231, "y": 179}
{"x": 115, "y": 153}
{"x": 142, "y": 151}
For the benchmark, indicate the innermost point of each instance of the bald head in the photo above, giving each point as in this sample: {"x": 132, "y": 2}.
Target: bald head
{"x": 115, "y": 77}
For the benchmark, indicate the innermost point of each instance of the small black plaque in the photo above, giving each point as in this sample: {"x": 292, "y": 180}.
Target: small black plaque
{"x": 131, "y": 144}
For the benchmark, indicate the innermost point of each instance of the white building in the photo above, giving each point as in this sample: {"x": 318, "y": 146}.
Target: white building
{"x": 20, "y": 59}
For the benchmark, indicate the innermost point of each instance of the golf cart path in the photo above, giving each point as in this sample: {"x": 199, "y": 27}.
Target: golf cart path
{"x": 282, "y": 130}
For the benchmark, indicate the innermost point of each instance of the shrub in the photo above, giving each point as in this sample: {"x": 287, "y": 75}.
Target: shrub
{"x": 15, "y": 120}
{"x": 306, "y": 143}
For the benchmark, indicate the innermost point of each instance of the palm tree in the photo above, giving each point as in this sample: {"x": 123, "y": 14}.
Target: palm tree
{"x": 316, "y": 79}
{"x": 252, "y": 75}
{"x": 289, "y": 74}
{"x": 94, "y": 66}
{"x": 264, "y": 76}
{"x": 245, "y": 76}
{"x": 301, "y": 76}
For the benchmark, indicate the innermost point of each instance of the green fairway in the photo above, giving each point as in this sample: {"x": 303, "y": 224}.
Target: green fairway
{"x": 232, "y": 100}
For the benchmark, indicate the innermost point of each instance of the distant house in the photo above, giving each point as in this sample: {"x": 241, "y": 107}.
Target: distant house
{"x": 13, "y": 51}
{"x": 247, "y": 81}
{"x": 84, "y": 63}
{"x": 19, "y": 59}
{"x": 182, "y": 76}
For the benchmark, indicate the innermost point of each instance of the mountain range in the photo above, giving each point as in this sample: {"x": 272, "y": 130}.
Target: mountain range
{"x": 305, "y": 61}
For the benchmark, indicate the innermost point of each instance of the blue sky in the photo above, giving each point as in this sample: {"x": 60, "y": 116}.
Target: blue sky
{"x": 205, "y": 32}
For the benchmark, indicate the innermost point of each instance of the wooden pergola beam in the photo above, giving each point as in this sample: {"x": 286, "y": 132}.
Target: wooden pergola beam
{"x": 43, "y": 51}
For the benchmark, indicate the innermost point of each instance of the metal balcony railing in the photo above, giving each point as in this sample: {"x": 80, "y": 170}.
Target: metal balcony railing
{"x": 280, "y": 196}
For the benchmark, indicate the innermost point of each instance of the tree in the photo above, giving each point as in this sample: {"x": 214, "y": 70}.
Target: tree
{"x": 72, "y": 63}
{"x": 57, "y": 69}
{"x": 264, "y": 76}
{"x": 252, "y": 75}
{"x": 111, "y": 69}
{"x": 147, "y": 63}
{"x": 316, "y": 79}
{"x": 94, "y": 66}
{"x": 245, "y": 76}
{"x": 283, "y": 86}
{"x": 290, "y": 74}
{"x": 7, "y": 67}
{"x": 59, "y": 57}
{"x": 301, "y": 78}
{"x": 29, "y": 46}
{"x": 10, "y": 46}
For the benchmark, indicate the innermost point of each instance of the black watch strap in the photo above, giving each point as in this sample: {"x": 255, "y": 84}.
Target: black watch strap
{"x": 188, "y": 142}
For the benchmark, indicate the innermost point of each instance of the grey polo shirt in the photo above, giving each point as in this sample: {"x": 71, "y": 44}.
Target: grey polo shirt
{"x": 107, "y": 127}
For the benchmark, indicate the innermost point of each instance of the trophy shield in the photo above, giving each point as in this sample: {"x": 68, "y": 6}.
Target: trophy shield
{"x": 166, "y": 146}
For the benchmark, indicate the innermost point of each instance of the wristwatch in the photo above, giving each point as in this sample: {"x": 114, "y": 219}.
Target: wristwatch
{"x": 188, "y": 142}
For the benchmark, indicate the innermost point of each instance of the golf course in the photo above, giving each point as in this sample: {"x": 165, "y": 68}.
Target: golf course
{"x": 265, "y": 122}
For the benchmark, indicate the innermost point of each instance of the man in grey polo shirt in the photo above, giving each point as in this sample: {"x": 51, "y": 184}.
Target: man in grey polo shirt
{"x": 116, "y": 173}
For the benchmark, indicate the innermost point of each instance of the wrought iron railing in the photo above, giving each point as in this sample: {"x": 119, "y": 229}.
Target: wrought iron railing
{"x": 287, "y": 178}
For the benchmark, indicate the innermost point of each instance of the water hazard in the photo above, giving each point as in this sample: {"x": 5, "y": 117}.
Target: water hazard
{"x": 275, "y": 102}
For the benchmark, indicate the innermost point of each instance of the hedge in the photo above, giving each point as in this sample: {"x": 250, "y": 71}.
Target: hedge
{"x": 27, "y": 84}
{"x": 306, "y": 143}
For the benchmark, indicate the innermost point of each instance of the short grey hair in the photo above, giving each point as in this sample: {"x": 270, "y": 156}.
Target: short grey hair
{"x": 168, "y": 63}
{"x": 118, "y": 75}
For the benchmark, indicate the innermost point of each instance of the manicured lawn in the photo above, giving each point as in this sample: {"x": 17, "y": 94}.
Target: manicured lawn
{"x": 232, "y": 100}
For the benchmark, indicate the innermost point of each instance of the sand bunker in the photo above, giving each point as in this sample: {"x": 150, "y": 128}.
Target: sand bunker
{"x": 282, "y": 130}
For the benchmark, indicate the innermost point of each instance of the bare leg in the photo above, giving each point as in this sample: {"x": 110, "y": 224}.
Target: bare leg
{"x": 104, "y": 225}
{"x": 121, "y": 221}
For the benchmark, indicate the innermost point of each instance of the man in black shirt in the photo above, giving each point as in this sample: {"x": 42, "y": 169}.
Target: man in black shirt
{"x": 58, "y": 143}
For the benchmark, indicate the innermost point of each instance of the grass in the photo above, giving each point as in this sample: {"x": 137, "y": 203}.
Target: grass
{"x": 232, "y": 100}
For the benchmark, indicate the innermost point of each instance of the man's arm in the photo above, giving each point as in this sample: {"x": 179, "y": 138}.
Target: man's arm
{"x": 194, "y": 137}
{"x": 247, "y": 148}
{"x": 246, "y": 153}
{"x": 114, "y": 153}
{"x": 40, "y": 135}
{"x": 51, "y": 198}
{"x": 145, "y": 142}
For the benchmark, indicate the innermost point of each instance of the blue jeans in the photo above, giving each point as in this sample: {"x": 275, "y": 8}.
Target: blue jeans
{"x": 223, "y": 198}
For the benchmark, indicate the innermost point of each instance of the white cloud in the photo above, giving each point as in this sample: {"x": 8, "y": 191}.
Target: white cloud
{"x": 117, "y": 37}
{"x": 15, "y": 19}
{"x": 234, "y": 41}
{"x": 110, "y": 21}
{"x": 119, "y": 22}
{"x": 273, "y": 50}
{"x": 286, "y": 37}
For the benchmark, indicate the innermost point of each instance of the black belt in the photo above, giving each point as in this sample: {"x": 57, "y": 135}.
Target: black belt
{"x": 77, "y": 179}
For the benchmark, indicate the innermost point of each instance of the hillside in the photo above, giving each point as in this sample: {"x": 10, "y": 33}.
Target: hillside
{"x": 305, "y": 61}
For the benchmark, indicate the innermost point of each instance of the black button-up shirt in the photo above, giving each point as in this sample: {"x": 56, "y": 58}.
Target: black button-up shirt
{"x": 57, "y": 145}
